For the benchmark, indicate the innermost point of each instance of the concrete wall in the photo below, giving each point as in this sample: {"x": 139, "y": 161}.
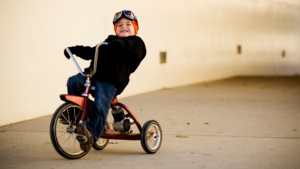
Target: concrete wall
{"x": 199, "y": 36}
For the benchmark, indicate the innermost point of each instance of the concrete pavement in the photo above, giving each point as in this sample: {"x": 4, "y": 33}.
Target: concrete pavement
{"x": 241, "y": 122}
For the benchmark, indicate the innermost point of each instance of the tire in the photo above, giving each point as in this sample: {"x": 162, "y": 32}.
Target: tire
{"x": 63, "y": 123}
{"x": 101, "y": 143}
{"x": 151, "y": 136}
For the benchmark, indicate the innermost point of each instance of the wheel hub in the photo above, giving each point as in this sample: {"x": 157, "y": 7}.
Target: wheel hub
{"x": 70, "y": 129}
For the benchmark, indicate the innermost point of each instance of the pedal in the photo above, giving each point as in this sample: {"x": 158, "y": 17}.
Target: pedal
{"x": 63, "y": 121}
{"x": 81, "y": 138}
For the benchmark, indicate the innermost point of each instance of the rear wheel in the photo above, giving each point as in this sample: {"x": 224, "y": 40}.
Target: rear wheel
{"x": 101, "y": 143}
{"x": 151, "y": 136}
{"x": 62, "y": 127}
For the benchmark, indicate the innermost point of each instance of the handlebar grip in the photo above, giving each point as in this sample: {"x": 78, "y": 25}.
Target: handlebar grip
{"x": 69, "y": 52}
{"x": 73, "y": 58}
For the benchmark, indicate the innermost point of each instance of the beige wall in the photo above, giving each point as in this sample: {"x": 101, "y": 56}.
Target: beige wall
{"x": 200, "y": 37}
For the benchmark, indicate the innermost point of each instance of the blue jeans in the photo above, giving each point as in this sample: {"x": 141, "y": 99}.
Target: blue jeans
{"x": 104, "y": 95}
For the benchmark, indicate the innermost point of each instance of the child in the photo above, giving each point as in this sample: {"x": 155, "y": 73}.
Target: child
{"x": 116, "y": 61}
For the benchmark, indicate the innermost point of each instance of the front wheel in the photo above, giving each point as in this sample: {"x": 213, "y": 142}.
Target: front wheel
{"x": 151, "y": 136}
{"x": 62, "y": 131}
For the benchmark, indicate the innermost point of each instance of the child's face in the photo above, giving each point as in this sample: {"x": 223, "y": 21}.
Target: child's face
{"x": 125, "y": 28}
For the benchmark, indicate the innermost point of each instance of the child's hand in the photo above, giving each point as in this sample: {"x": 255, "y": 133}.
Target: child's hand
{"x": 73, "y": 49}
{"x": 66, "y": 54}
{"x": 88, "y": 71}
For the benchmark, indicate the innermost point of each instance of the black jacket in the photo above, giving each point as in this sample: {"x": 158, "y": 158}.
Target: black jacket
{"x": 116, "y": 61}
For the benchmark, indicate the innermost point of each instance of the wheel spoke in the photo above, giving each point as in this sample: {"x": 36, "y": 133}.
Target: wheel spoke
{"x": 76, "y": 116}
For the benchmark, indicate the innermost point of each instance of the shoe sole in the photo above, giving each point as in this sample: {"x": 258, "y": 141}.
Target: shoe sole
{"x": 85, "y": 145}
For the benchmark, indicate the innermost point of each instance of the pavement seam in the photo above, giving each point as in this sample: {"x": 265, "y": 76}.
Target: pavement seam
{"x": 236, "y": 136}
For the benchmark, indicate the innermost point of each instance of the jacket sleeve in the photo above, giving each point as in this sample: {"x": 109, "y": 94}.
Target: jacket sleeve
{"x": 84, "y": 52}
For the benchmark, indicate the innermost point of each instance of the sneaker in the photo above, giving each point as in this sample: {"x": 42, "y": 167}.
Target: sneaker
{"x": 64, "y": 121}
{"x": 84, "y": 137}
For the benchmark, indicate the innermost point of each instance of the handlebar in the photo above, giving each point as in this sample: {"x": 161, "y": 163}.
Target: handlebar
{"x": 95, "y": 60}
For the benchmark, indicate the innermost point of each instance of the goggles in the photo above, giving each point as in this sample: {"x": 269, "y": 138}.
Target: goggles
{"x": 125, "y": 13}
